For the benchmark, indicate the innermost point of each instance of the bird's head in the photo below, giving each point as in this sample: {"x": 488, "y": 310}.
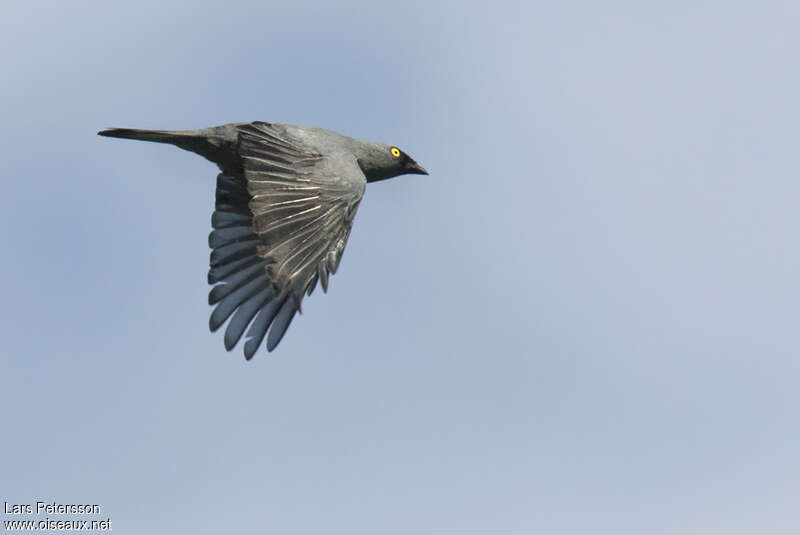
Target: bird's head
{"x": 379, "y": 162}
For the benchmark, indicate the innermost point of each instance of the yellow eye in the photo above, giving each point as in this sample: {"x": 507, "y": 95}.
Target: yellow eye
{"x": 395, "y": 152}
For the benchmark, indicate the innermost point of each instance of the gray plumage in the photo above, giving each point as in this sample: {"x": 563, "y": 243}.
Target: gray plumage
{"x": 285, "y": 202}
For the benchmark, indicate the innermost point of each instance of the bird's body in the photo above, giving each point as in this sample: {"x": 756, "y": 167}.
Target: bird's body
{"x": 285, "y": 202}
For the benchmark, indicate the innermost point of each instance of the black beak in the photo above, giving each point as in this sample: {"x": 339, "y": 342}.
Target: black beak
{"x": 413, "y": 168}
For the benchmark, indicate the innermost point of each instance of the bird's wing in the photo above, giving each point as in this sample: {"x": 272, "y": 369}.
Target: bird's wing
{"x": 280, "y": 225}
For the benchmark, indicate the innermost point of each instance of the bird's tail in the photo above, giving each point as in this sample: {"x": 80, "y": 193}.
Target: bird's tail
{"x": 159, "y": 136}
{"x": 216, "y": 144}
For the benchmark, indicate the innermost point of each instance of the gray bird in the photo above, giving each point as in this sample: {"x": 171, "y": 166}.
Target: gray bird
{"x": 285, "y": 203}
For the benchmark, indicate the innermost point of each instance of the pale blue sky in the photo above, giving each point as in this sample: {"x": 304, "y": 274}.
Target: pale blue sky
{"x": 583, "y": 321}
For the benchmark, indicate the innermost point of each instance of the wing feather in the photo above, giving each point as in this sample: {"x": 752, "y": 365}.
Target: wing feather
{"x": 258, "y": 329}
{"x": 281, "y": 323}
{"x": 280, "y": 225}
{"x": 244, "y": 315}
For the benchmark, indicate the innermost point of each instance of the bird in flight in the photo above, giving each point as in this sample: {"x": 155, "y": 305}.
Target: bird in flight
{"x": 285, "y": 201}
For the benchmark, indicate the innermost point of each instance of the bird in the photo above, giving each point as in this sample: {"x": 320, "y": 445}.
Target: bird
{"x": 286, "y": 196}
